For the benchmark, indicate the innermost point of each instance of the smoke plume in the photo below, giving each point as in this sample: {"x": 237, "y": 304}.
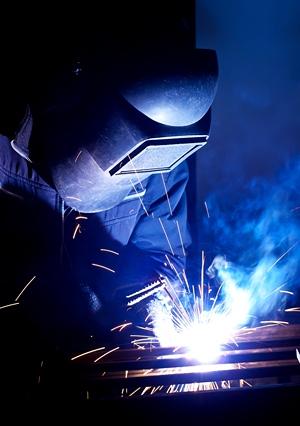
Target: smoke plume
{"x": 256, "y": 228}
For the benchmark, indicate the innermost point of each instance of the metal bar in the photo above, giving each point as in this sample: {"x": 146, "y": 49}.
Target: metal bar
{"x": 167, "y": 361}
{"x": 123, "y": 371}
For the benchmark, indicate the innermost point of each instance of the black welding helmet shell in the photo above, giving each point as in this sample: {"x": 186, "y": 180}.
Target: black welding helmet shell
{"x": 137, "y": 119}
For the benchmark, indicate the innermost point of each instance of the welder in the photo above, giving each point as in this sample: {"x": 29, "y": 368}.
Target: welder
{"x": 93, "y": 175}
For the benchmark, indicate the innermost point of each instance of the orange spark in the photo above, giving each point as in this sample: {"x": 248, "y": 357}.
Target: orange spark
{"x": 273, "y": 322}
{"x": 145, "y": 390}
{"x": 7, "y": 306}
{"x": 104, "y": 267}
{"x": 79, "y": 153}
{"x": 24, "y": 288}
{"x": 80, "y": 217}
{"x": 110, "y": 251}
{"x": 135, "y": 391}
{"x": 295, "y": 309}
{"x": 121, "y": 327}
{"x": 106, "y": 353}
{"x": 88, "y": 352}
{"x": 76, "y": 230}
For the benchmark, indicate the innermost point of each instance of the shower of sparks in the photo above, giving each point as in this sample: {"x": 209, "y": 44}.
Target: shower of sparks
{"x": 17, "y": 298}
{"x": 201, "y": 332}
{"x": 103, "y": 267}
{"x": 190, "y": 320}
{"x": 197, "y": 323}
{"x": 201, "y": 325}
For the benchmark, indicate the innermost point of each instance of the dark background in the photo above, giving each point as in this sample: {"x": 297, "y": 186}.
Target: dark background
{"x": 255, "y": 115}
{"x": 248, "y": 173}
{"x": 256, "y": 112}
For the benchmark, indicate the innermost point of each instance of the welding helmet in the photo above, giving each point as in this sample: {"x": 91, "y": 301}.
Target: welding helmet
{"x": 123, "y": 124}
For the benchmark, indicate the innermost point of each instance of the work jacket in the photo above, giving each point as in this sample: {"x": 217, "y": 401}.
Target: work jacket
{"x": 67, "y": 275}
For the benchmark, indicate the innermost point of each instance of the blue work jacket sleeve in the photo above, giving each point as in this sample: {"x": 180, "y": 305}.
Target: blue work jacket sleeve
{"x": 161, "y": 237}
{"x": 163, "y": 226}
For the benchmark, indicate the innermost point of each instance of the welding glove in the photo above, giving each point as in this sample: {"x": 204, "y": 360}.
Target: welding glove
{"x": 143, "y": 276}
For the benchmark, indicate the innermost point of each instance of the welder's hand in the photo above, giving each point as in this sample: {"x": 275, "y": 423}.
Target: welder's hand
{"x": 138, "y": 268}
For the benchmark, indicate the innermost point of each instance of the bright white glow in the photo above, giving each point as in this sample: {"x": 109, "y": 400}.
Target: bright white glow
{"x": 201, "y": 332}
{"x": 203, "y": 338}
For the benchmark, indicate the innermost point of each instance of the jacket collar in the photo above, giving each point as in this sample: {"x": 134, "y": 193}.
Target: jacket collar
{"x": 20, "y": 143}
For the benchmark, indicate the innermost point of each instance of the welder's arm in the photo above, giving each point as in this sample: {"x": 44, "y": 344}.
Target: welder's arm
{"x": 159, "y": 243}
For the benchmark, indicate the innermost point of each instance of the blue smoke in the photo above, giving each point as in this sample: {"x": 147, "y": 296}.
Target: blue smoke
{"x": 256, "y": 228}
